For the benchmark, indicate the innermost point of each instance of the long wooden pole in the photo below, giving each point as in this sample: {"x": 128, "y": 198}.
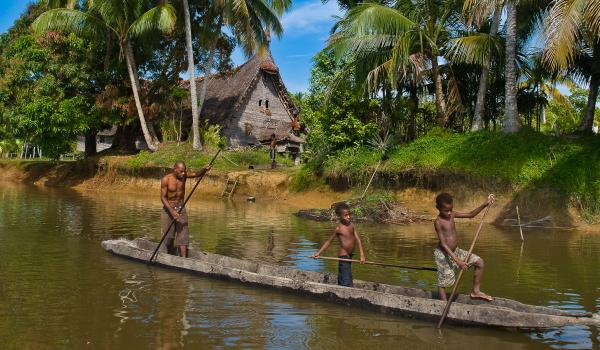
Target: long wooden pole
{"x": 460, "y": 274}
{"x": 181, "y": 209}
{"x": 520, "y": 226}
{"x": 378, "y": 264}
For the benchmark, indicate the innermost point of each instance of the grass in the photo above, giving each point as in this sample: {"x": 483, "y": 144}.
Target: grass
{"x": 526, "y": 160}
{"x": 229, "y": 161}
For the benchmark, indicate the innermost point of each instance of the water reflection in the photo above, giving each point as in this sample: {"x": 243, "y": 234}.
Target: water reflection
{"x": 59, "y": 289}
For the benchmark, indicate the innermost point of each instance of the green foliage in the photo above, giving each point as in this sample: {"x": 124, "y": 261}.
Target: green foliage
{"x": 169, "y": 153}
{"x": 211, "y": 137}
{"x": 168, "y": 130}
{"x": 523, "y": 160}
{"x": 46, "y": 90}
{"x": 305, "y": 179}
{"x": 566, "y": 115}
{"x": 338, "y": 118}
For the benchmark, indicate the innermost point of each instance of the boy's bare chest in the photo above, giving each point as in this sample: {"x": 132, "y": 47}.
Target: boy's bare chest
{"x": 447, "y": 227}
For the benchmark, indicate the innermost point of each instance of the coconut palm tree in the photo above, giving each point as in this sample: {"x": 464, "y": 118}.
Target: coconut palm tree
{"x": 586, "y": 68}
{"x": 126, "y": 20}
{"x": 388, "y": 40}
{"x": 581, "y": 58}
{"x": 539, "y": 84}
{"x": 197, "y": 144}
{"x": 478, "y": 48}
{"x": 511, "y": 122}
{"x": 568, "y": 21}
{"x": 250, "y": 22}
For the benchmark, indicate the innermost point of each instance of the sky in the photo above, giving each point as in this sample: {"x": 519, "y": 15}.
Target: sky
{"x": 306, "y": 28}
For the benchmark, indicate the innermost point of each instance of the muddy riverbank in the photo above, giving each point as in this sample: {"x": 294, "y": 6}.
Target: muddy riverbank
{"x": 109, "y": 174}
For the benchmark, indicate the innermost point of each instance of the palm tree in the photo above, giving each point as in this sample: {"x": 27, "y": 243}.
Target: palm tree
{"x": 511, "y": 122}
{"x": 586, "y": 67}
{"x": 197, "y": 144}
{"x": 478, "y": 48}
{"x": 539, "y": 83}
{"x": 125, "y": 20}
{"x": 573, "y": 43}
{"x": 388, "y": 40}
{"x": 250, "y": 22}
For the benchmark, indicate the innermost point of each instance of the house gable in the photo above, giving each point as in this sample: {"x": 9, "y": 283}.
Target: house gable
{"x": 261, "y": 114}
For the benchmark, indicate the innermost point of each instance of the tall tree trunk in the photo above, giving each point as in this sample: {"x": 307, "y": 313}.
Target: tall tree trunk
{"x": 483, "y": 79}
{"x": 135, "y": 87}
{"x": 124, "y": 138}
{"x": 414, "y": 109}
{"x": 587, "y": 123}
{"x": 196, "y": 143}
{"x": 209, "y": 63}
{"x": 108, "y": 53}
{"x": 90, "y": 142}
{"x": 511, "y": 123}
{"x": 440, "y": 101}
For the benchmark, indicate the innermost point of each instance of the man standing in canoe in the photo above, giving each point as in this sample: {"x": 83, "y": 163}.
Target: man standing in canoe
{"x": 172, "y": 196}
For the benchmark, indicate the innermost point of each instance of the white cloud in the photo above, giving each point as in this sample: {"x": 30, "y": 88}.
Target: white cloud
{"x": 311, "y": 17}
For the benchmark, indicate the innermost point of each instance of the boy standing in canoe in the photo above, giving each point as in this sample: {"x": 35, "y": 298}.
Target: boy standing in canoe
{"x": 448, "y": 256}
{"x": 348, "y": 238}
{"x": 172, "y": 194}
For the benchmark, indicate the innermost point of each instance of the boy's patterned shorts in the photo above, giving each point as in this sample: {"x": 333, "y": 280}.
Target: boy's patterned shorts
{"x": 446, "y": 267}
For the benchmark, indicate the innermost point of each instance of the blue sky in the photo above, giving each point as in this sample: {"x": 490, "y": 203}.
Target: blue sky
{"x": 306, "y": 27}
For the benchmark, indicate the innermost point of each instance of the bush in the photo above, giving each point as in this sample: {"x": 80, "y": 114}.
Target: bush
{"x": 523, "y": 160}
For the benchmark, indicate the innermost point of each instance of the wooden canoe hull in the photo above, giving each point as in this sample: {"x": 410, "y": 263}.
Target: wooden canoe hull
{"x": 397, "y": 300}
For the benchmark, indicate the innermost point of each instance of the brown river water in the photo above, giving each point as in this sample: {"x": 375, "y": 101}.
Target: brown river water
{"x": 60, "y": 290}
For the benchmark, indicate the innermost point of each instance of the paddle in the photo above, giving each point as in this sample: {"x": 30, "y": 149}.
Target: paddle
{"x": 375, "y": 263}
{"x": 180, "y": 209}
{"x": 449, "y": 302}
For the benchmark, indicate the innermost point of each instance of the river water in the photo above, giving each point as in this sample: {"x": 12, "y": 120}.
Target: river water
{"x": 60, "y": 290}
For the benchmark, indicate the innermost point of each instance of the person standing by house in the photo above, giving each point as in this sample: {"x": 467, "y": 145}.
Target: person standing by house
{"x": 273, "y": 150}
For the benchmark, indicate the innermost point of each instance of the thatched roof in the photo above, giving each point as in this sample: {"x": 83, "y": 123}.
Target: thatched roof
{"x": 226, "y": 92}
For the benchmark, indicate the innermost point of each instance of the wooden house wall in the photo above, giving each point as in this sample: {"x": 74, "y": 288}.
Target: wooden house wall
{"x": 251, "y": 119}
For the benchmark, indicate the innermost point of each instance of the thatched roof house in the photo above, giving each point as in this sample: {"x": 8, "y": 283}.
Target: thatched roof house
{"x": 251, "y": 103}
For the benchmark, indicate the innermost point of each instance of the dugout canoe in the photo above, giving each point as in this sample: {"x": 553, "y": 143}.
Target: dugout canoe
{"x": 397, "y": 300}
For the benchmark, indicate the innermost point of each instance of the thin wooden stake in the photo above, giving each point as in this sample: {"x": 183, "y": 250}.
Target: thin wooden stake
{"x": 520, "y": 227}
{"x": 369, "y": 184}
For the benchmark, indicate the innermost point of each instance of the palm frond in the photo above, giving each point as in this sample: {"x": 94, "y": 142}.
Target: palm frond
{"x": 377, "y": 19}
{"x": 475, "y": 48}
{"x": 69, "y": 4}
{"x": 562, "y": 30}
{"x": 71, "y": 21}
{"x": 162, "y": 18}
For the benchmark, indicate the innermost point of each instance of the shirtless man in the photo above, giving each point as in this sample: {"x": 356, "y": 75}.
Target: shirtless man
{"x": 448, "y": 256}
{"x": 348, "y": 237}
{"x": 172, "y": 194}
